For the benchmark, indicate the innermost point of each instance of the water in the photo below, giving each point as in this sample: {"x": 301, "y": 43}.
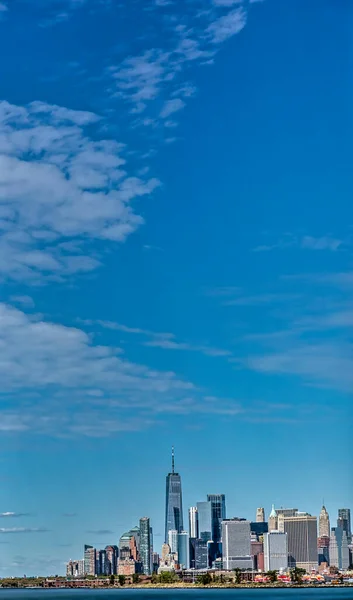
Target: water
{"x": 324, "y": 593}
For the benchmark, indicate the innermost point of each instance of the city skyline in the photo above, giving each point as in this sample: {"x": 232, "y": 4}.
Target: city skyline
{"x": 176, "y": 266}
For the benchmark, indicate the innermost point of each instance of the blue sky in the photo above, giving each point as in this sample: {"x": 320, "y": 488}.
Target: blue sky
{"x": 176, "y": 263}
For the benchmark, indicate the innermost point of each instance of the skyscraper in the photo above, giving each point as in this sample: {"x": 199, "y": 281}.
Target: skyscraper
{"x": 183, "y": 550}
{"x": 173, "y": 540}
{"x": 273, "y": 520}
{"x": 193, "y": 522}
{"x": 90, "y": 560}
{"x": 204, "y": 512}
{"x": 174, "y": 503}
{"x": 324, "y": 523}
{"x": 260, "y": 515}
{"x": 236, "y": 544}
{"x": 218, "y": 514}
{"x": 276, "y": 551}
{"x": 302, "y": 541}
{"x": 344, "y": 521}
{"x": 145, "y": 545}
{"x": 339, "y": 551}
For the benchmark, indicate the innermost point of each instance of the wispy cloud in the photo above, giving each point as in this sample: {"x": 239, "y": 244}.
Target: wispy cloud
{"x": 13, "y": 515}
{"x": 305, "y": 242}
{"x": 227, "y": 25}
{"x": 23, "y": 530}
{"x": 26, "y": 301}
{"x": 166, "y": 341}
{"x": 171, "y": 107}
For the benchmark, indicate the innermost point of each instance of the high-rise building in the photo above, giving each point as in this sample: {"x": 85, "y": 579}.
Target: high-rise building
{"x": 183, "y": 550}
{"x": 236, "y": 544}
{"x": 204, "y": 513}
{"x": 174, "y": 503}
{"x": 193, "y": 522}
{"x": 323, "y": 546}
{"x": 339, "y": 551}
{"x": 272, "y": 520}
{"x": 112, "y": 553}
{"x": 276, "y": 551}
{"x": 302, "y": 541}
{"x": 344, "y": 521}
{"x": 145, "y": 545}
{"x": 75, "y": 568}
{"x": 258, "y": 528}
{"x": 90, "y": 560}
{"x": 218, "y": 514}
{"x": 173, "y": 541}
{"x": 200, "y": 552}
{"x": 324, "y": 523}
{"x": 260, "y": 515}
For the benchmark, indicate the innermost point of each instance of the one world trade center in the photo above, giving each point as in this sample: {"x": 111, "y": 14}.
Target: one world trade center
{"x": 174, "y": 503}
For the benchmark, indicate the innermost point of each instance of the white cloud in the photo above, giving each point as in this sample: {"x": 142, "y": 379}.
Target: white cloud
{"x": 227, "y": 25}
{"x": 172, "y": 106}
{"x": 23, "y": 530}
{"x": 23, "y": 300}
{"x": 227, "y": 2}
{"x": 56, "y": 183}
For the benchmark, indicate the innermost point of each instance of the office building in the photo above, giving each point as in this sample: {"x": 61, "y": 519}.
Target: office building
{"x": 184, "y": 550}
{"x": 260, "y": 515}
{"x": 218, "y": 514}
{"x": 75, "y": 568}
{"x": 101, "y": 562}
{"x": 200, "y": 552}
{"x": 344, "y": 521}
{"x": 204, "y": 512}
{"x": 173, "y": 541}
{"x": 90, "y": 560}
{"x": 323, "y": 545}
{"x": 324, "y": 523}
{"x": 174, "y": 503}
{"x": 193, "y": 522}
{"x": 236, "y": 544}
{"x": 339, "y": 550}
{"x": 112, "y": 554}
{"x": 257, "y": 552}
{"x": 272, "y": 520}
{"x": 302, "y": 541}
{"x": 145, "y": 545}
{"x": 275, "y": 551}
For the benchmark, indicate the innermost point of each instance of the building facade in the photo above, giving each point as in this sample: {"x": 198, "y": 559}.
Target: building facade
{"x": 218, "y": 514}
{"x": 260, "y": 515}
{"x": 236, "y": 544}
{"x": 275, "y": 551}
{"x": 184, "y": 550}
{"x": 302, "y": 541}
{"x": 193, "y": 522}
{"x": 174, "y": 502}
{"x": 145, "y": 545}
{"x": 344, "y": 521}
{"x": 324, "y": 523}
{"x": 90, "y": 560}
{"x": 339, "y": 551}
{"x": 272, "y": 520}
{"x": 173, "y": 541}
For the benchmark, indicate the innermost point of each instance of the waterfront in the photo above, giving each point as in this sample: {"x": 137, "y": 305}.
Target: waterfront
{"x": 328, "y": 593}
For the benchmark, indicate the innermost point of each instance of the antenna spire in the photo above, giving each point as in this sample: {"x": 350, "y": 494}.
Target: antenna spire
{"x": 173, "y": 460}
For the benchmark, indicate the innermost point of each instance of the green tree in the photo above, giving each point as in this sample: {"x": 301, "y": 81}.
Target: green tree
{"x": 237, "y": 573}
{"x": 135, "y": 578}
{"x": 206, "y": 578}
{"x": 154, "y": 578}
{"x": 296, "y": 575}
{"x": 272, "y": 575}
{"x": 112, "y": 580}
{"x": 122, "y": 579}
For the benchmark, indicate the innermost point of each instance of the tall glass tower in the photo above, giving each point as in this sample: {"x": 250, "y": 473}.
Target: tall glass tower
{"x": 145, "y": 545}
{"x": 174, "y": 503}
{"x": 218, "y": 512}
